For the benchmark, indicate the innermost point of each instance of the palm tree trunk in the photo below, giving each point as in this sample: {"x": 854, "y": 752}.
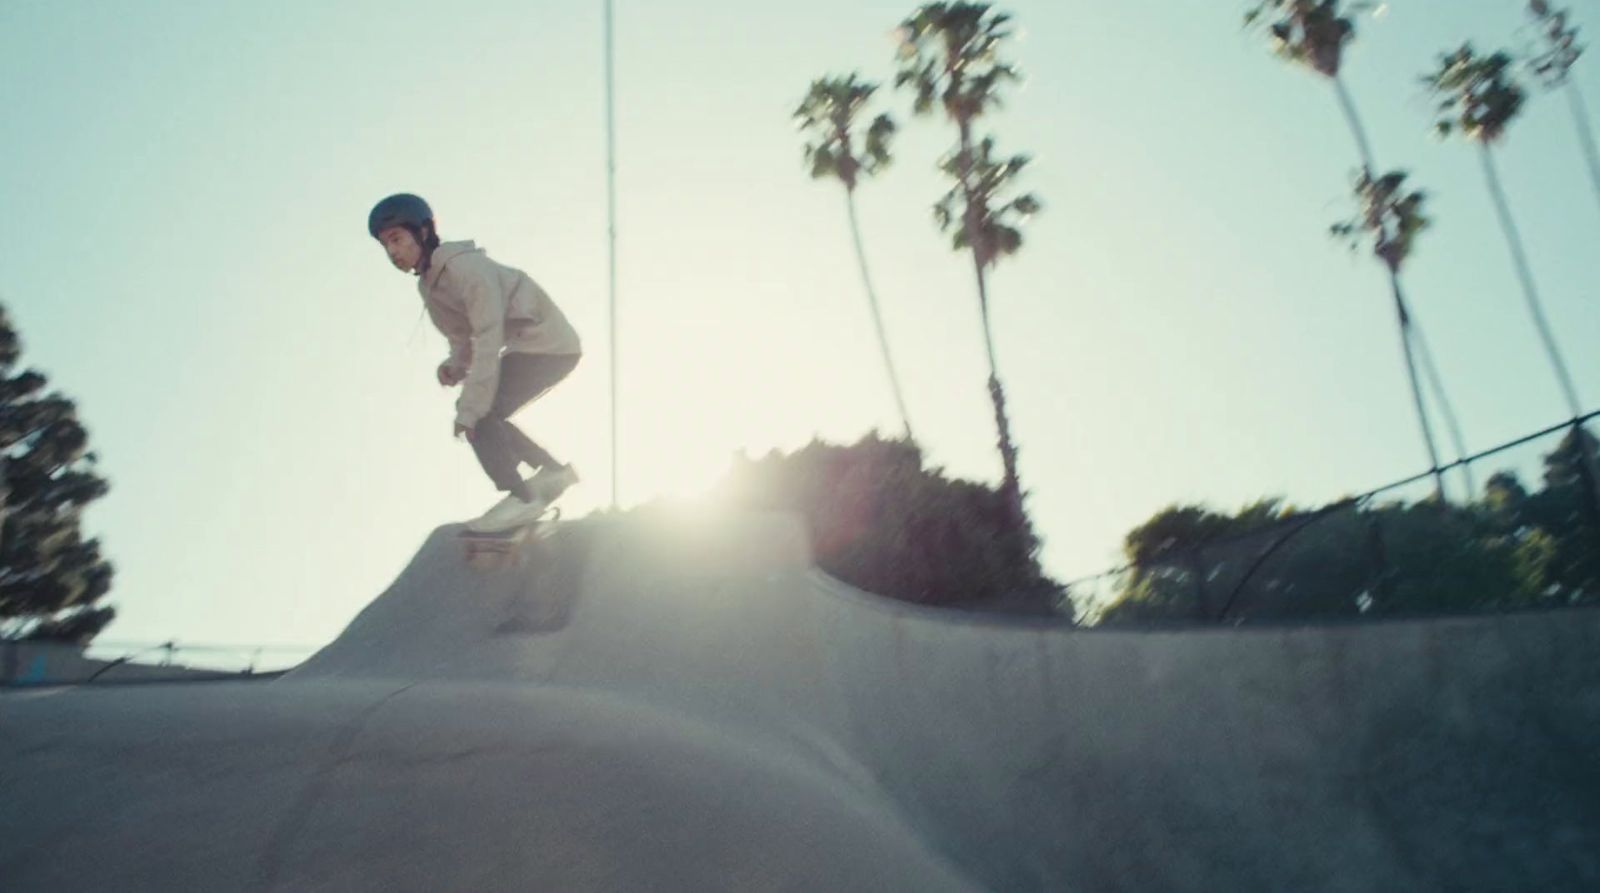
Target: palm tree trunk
{"x": 974, "y": 236}
{"x": 1580, "y": 117}
{"x": 877, "y": 316}
{"x": 1525, "y": 275}
{"x": 1437, "y": 385}
{"x": 1359, "y": 132}
{"x": 1354, "y": 120}
{"x": 1403, "y": 317}
{"x": 1011, "y": 485}
{"x": 1535, "y": 308}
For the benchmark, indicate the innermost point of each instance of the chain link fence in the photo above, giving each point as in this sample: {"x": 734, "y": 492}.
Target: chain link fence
{"x": 25, "y": 662}
{"x": 1404, "y": 549}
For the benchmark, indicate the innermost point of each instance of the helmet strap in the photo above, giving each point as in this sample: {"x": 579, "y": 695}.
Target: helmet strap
{"x": 428, "y": 240}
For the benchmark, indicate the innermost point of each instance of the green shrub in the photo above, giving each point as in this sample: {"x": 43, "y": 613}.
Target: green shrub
{"x": 882, "y": 522}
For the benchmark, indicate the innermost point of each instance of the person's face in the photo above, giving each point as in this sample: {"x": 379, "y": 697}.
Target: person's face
{"x": 402, "y": 248}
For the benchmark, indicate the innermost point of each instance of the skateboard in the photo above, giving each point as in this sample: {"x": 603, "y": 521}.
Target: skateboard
{"x": 505, "y": 542}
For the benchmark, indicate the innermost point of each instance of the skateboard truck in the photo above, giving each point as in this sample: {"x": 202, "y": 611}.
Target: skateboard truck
{"x": 497, "y": 546}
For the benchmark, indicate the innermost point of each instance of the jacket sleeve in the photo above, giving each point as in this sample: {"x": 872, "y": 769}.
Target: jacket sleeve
{"x": 460, "y": 348}
{"x": 486, "y": 310}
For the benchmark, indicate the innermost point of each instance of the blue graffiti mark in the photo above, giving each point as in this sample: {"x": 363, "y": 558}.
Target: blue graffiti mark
{"x": 36, "y": 670}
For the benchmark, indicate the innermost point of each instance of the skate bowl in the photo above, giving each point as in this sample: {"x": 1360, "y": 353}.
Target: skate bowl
{"x": 653, "y": 703}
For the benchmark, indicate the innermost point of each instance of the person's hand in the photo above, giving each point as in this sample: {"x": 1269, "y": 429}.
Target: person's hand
{"x": 463, "y": 430}
{"x": 449, "y": 375}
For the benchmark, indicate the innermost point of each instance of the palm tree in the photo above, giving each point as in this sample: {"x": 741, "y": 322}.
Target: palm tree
{"x": 1553, "y": 67}
{"x": 1392, "y": 217}
{"x": 1479, "y": 99}
{"x": 950, "y": 56}
{"x": 1315, "y": 33}
{"x": 829, "y": 113}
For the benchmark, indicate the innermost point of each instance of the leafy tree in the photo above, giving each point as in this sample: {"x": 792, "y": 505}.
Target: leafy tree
{"x": 50, "y": 577}
{"x": 1509, "y": 549}
{"x": 77, "y": 627}
{"x": 950, "y": 56}
{"x": 1169, "y": 571}
{"x": 829, "y": 114}
{"x": 882, "y": 522}
{"x": 1564, "y": 509}
{"x": 1270, "y": 561}
{"x": 1505, "y": 496}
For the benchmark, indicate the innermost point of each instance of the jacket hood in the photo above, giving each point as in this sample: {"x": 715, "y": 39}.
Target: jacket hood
{"x": 442, "y": 255}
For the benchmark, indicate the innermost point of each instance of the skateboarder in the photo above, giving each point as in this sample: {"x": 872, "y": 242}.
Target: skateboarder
{"x": 509, "y": 344}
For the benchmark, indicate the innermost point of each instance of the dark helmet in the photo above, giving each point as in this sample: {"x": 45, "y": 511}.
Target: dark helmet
{"x": 402, "y": 209}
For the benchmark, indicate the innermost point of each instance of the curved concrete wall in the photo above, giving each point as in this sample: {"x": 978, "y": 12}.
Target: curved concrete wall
{"x": 1446, "y": 754}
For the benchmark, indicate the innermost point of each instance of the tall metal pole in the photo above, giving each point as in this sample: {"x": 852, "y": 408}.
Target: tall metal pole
{"x": 611, "y": 236}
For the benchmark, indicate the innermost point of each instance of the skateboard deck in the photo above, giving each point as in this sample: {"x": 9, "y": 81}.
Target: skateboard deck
{"x": 505, "y": 542}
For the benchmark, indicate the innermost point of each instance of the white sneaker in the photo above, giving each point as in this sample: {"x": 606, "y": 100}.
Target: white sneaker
{"x": 550, "y": 482}
{"x": 507, "y": 514}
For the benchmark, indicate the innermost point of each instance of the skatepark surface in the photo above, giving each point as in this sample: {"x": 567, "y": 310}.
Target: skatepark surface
{"x": 650, "y": 702}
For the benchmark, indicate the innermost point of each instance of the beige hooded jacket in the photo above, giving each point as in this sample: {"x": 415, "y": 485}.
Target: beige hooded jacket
{"x": 482, "y": 307}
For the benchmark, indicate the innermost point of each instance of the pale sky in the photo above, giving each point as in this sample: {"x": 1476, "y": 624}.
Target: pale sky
{"x": 186, "y": 187}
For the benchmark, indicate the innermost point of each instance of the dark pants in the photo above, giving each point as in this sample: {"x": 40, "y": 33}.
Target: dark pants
{"x": 500, "y": 446}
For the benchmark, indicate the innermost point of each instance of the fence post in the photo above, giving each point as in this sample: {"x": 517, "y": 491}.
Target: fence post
{"x": 1380, "y": 560}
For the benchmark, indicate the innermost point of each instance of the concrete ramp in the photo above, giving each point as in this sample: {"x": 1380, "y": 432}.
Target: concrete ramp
{"x": 664, "y": 703}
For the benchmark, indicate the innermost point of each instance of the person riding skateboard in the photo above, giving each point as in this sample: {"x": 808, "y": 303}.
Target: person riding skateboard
{"x": 509, "y": 344}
